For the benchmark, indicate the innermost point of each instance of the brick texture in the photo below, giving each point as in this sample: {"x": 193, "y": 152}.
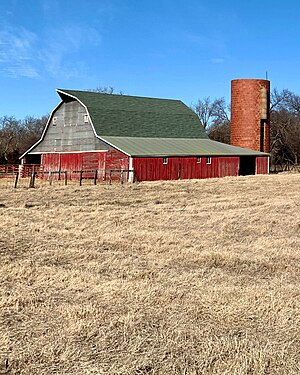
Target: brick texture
{"x": 247, "y": 122}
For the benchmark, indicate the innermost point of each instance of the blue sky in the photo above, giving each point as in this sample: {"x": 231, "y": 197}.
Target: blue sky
{"x": 168, "y": 48}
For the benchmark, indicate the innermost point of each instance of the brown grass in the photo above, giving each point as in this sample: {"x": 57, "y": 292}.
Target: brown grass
{"x": 186, "y": 277}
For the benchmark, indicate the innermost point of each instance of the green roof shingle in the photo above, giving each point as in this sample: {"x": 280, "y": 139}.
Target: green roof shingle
{"x": 132, "y": 116}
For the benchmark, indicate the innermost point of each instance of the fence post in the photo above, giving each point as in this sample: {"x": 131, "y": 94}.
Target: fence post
{"x": 80, "y": 178}
{"x": 110, "y": 176}
{"x": 179, "y": 171}
{"x": 16, "y": 180}
{"x": 66, "y": 178}
{"x": 32, "y": 179}
{"x": 95, "y": 176}
{"x": 50, "y": 178}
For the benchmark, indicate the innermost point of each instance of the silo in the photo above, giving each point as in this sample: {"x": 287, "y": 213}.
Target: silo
{"x": 250, "y": 114}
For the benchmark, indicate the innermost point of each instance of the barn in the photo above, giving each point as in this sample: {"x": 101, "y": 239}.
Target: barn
{"x": 135, "y": 138}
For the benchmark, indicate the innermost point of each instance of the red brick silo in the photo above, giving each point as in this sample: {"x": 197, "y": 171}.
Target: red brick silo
{"x": 250, "y": 114}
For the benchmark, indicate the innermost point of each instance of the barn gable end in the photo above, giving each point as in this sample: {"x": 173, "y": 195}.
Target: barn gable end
{"x": 69, "y": 129}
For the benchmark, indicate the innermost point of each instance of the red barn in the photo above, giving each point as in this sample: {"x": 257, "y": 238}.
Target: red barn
{"x": 147, "y": 138}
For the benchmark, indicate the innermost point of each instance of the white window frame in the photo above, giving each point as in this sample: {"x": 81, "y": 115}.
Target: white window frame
{"x": 208, "y": 160}
{"x": 54, "y": 121}
{"x": 86, "y": 118}
{"x": 165, "y": 160}
{"x": 198, "y": 159}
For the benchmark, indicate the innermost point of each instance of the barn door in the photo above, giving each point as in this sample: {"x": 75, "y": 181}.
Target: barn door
{"x": 247, "y": 165}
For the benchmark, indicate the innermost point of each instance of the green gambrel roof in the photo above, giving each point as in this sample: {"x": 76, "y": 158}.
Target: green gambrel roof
{"x": 150, "y": 127}
{"x": 177, "y": 147}
{"x": 132, "y": 116}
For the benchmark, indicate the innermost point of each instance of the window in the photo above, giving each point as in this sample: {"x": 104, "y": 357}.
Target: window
{"x": 54, "y": 121}
{"x": 198, "y": 159}
{"x": 165, "y": 160}
{"x": 86, "y": 118}
{"x": 208, "y": 160}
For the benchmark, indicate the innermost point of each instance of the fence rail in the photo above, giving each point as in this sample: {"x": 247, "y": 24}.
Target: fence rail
{"x": 25, "y": 170}
{"x": 8, "y": 169}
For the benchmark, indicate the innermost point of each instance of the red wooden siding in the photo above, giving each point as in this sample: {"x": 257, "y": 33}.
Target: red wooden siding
{"x": 116, "y": 160}
{"x": 70, "y": 161}
{"x": 150, "y": 169}
{"x": 262, "y": 165}
{"x": 50, "y": 162}
{"x": 147, "y": 169}
{"x": 228, "y": 166}
{"x": 74, "y": 162}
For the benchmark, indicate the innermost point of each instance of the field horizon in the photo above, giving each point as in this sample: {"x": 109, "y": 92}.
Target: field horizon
{"x": 168, "y": 277}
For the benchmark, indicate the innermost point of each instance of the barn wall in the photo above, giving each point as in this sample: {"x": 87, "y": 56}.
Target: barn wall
{"x": 147, "y": 169}
{"x": 151, "y": 169}
{"x": 262, "y": 165}
{"x": 228, "y": 166}
{"x": 74, "y": 162}
{"x": 70, "y": 132}
{"x": 50, "y": 162}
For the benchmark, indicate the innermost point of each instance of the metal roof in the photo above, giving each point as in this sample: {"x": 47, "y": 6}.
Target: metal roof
{"x": 135, "y": 146}
{"x": 133, "y": 116}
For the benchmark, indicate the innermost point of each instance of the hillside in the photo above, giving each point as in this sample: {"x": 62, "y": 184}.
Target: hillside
{"x": 185, "y": 277}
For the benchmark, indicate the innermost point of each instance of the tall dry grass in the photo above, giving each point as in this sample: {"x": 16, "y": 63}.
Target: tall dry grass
{"x": 185, "y": 277}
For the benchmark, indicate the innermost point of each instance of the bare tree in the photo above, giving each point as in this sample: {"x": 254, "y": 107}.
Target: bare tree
{"x": 16, "y": 136}
{"x": 220, "y": 111}
{"x": 278, "y": 99}
{"x": 106, "y": 90}
{"x": 10, "y": 136}
{"x": 214, "y": 116}
{"x": 220, "y": 132}
{"x": 293, "y": 103}
{"x": 204, "y": 111}
{"x": 285, "y": 129}
{"x": 32, "y": 129}
{"x": 211, "y": 112}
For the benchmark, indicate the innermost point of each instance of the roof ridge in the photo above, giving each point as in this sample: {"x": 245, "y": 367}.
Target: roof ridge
{"x": 117, "y": 95}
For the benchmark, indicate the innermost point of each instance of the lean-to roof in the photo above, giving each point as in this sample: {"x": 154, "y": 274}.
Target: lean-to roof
{"x": 152, "y": 147}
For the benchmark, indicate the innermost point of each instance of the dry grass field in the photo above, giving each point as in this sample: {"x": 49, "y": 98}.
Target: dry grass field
{"x": 185, "y": 277}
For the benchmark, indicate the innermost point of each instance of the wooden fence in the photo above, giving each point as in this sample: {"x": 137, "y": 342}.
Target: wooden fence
{"x": 24, "y": 170}
{"x": 34, "y": 176}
